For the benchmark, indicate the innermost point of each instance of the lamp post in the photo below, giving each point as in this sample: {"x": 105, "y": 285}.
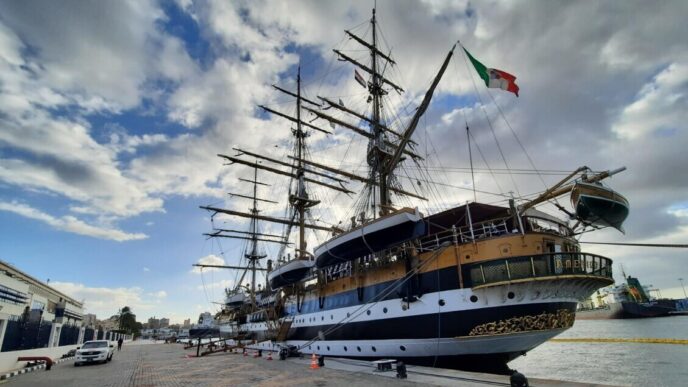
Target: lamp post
{"x": 682, "y": 287}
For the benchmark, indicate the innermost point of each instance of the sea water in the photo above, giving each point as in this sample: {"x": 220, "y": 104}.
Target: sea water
{"x": 623, "y": 364}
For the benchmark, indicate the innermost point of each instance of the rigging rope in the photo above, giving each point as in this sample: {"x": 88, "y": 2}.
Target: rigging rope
{"x": 679, "y": 246}
{"x": 489, "y": 122}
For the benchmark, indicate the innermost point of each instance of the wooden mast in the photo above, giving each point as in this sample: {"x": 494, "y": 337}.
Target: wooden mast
{"x": 379, "y": 156}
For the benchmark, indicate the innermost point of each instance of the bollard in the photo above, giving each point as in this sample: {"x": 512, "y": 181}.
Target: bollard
{"x": 401, "y": 370}
{"x": 321, "y": 361}
{"x": 518, "y": 380}
{"x": 283, "y": 354}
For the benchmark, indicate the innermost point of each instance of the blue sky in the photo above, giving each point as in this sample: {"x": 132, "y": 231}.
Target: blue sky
{"x": 111, "y": 115}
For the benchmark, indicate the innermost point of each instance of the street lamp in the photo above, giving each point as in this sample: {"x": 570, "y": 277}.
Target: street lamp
{"x": 682, "y": 287}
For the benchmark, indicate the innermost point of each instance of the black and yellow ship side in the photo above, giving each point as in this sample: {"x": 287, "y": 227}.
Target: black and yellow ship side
{"x": 469, "y": 297}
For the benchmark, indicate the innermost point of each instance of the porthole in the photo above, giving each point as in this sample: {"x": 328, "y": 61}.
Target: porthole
{"x": 322, "y": 318}
{"x": 474, "y": 298}
{"x": 510, "y": 295}
{"x": 309, "y": 347}
{"x": 318, "y": 348}
{"x": 402, "y": 348}
{"x": 368, "y": 312}
{"x": 358, "y": 349}
{"x": 468, "y": 256}
{"x": 384, "y": 310}
{"x": 345, "y": 348}
{"x": 374, "y": 350}
{"x": 328, "y": 347}
{"x": 348, "y": 314}
{"x": 441, "y": 302}
{"x": 331, "y": 317}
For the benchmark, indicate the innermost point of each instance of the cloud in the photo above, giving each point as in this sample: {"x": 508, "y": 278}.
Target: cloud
{"x": 105, "y": 302}
{"x": 145, "y": 269}
{"x": 70, "y": 224}
{"x": 223, "y": 284}
{"x": 159, "y": 294}
{"x": 610, "y": 94}
{"x": 55, "y": 74}
{"x": 211, "y": 259}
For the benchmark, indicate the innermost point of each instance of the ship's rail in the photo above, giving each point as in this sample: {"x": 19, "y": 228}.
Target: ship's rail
{"x": 538, "y": 266}
{"x": 464, "y": 234}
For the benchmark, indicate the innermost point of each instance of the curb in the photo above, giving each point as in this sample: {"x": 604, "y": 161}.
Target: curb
{"x": 31, "y": 369}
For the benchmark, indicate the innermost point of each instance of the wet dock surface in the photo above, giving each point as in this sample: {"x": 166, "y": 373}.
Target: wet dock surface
{"x": 168, "y": 365}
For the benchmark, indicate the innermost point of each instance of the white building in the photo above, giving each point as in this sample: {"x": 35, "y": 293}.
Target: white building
{"x": 23, "y": 298}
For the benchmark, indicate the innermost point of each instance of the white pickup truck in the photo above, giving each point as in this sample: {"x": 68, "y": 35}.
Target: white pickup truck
{"x": 95, "y": 351}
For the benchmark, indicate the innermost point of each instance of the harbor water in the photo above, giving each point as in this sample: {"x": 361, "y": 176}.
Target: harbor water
{"x": 626, "y": 364}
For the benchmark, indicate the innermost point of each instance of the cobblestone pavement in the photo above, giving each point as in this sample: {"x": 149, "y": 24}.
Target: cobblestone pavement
{"x": 167, "y": 365}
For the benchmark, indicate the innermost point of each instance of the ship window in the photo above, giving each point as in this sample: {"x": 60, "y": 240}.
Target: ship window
{"x": 368, "y": 312}
{"x": 468, "y": 256}
{"x": 345, "y": 348}
{"x": 441, "y": 302}
{"x": 374, "y": 350}
{"x": 318, "y": 348}
{"x": 322, "y": 318}
{"x": 348, "y": 314}
{"x": 328, "y": 347}
{"x": 511, "y": 295}
{"x": 358, "y": 349}
{"x": 474, "y": 298}
{"x": 309, "y": 347}
{"x": 384, "y": 310}
{"x": 402, "y": 348}
{"x": 331, "y": 317}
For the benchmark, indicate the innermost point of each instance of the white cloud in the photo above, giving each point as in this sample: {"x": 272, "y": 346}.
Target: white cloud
{"x": 145, "y": 269}
{"x": 159, "y": 294}
{"x": 223, "y": 284}
{"x": 105, "y": 302}
{"x": 662, "y": 104}
{"x": 211, "y": 259}
{"x": 70, "y": 224}
{"x": 612, "y": 93}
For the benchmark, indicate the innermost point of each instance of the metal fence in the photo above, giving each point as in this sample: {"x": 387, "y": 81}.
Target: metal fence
{"x": 88, "y": 334}
{"x": 69, "y": 335}
{"x": 541, "y": 265}
{"x": 21, "y": 335}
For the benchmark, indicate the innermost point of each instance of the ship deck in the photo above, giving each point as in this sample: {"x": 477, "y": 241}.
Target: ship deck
{"x": 141, "y": 364}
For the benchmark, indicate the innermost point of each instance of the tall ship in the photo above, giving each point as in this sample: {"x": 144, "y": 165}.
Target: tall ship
{"x": 627, "y": 300}
{"x": 471, "y": 286}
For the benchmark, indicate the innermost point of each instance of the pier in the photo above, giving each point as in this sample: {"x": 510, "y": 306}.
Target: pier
{"x": 148, "y": 364}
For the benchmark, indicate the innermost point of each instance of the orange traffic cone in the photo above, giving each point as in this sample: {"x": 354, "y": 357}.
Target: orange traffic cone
{"x": 314, "y": 362}
{"x": 269, "y": 356}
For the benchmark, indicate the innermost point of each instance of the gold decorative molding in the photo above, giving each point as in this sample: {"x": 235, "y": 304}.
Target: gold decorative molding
{"x": 562, "y": 318}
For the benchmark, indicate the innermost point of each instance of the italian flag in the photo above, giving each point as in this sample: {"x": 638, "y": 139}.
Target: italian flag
{"x": 494, "y": 78}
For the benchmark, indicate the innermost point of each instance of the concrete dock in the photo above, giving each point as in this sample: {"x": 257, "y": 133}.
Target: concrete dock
{"x": 142, "y": 364}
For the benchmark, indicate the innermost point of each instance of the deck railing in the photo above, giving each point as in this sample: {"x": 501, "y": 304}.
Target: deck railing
{"x": 541, "y": 265}
{"x": 465, "y": 234}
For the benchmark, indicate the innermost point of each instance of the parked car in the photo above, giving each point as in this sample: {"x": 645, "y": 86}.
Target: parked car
{"x": 95, "y": 351}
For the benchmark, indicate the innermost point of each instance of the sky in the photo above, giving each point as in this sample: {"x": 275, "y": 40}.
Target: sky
{"x": 112, "y": 115}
